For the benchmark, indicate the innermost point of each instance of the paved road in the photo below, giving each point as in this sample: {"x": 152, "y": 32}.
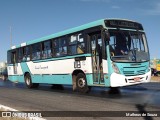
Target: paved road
{"x": 144, "y": 97}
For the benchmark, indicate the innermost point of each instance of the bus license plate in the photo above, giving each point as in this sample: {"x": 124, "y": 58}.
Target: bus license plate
{"x": 137, "y": 79}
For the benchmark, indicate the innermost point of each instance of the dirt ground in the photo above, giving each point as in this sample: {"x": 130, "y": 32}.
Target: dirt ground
{"x": 155, "y": 79}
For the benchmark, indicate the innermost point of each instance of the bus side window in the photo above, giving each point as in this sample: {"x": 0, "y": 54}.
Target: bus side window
{"x": 60, "y": 47}
{"x": 12, "y": 57}
{"x": 81, "y": 45}
{"x": 28, "y": 53}
{"x": 36, "y": 52}
{"x": 80, "y": 48}
{"x": 25, "y": 54}
{"x": 76, "y": 44}
{"x": 46, "y": 50}
{"x": 63, "y": 46}
{"x": 56, "y": 48}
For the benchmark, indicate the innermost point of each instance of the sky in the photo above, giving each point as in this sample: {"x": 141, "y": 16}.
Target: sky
{"x": 32, "y": 19}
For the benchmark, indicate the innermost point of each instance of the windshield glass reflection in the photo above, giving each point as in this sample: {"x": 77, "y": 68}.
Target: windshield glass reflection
{"x": 128, "y": 46}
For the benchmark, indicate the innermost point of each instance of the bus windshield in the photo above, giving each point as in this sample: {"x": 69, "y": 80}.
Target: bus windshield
{"x": 128, "y": 46}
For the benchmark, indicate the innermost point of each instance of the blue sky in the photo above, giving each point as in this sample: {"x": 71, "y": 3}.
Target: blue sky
{"x": 31, "y": 19}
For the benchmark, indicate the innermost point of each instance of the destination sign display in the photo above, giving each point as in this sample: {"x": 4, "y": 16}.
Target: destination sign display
{"x": 123, "y": 24}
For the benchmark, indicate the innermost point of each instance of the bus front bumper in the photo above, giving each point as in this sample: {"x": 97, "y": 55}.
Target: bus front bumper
{"x": 118, "y": 80}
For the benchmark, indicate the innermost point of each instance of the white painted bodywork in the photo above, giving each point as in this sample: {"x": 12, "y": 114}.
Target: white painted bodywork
{"x": 66, "y": 66}
{"x": 118, "y": 80}
{"x": 59, "y": 66}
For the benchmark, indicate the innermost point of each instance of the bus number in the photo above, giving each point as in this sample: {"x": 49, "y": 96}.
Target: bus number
{"x": 77, "y": 64}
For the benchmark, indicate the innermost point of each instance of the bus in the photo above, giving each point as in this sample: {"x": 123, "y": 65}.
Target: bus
{"x": 108, "y": 53}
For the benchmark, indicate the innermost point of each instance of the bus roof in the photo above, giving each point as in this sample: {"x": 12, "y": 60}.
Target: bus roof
{"x": 65, "y": 32}
{"x": 68, "y": 31}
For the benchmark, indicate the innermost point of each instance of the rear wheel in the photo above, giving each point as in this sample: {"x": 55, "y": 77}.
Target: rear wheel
{"x": 28, "y": 81}
{"x": 4, "y": 77}
{"x": 81, "y": 83}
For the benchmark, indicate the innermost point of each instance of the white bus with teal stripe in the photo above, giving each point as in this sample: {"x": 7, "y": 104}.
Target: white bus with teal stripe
{"x": 107, "y": 52}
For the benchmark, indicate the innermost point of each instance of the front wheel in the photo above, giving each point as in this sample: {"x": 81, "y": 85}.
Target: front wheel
{"x": 28, "y": 81}
{"x": 81, "y": 83}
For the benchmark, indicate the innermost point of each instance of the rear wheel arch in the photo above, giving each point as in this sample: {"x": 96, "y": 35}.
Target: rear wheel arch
{"x": 26, "y": 73}
{"x": 79, "y": 81}
{"x": 75, "y": 72}
{"x": 74, "y": 75}
{"x": 28, "y": 81}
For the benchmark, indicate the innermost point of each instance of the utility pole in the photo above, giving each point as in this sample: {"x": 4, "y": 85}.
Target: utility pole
{"x": 11, "y": 36}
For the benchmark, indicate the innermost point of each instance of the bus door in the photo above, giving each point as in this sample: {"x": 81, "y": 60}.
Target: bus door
{"x": 14, "y": 62}
{"x": 97, "y": 65}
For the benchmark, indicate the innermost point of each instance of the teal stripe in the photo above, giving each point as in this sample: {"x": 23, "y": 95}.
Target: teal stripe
{"x": 24, "y": 67}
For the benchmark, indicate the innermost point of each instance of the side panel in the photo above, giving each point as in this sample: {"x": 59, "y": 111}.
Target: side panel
{"x": 66, "y": 66}
{"x": 52, "y": 72}
{"x": 15, "y": 76}
{"x": 53, "y": 79}
{"x": 10, "y": 69}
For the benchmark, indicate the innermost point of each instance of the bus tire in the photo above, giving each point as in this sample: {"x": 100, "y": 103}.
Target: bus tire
{"x": 81, "y": 83}
{"x": 28, "y": 81}
{"x": 4, "y": 78}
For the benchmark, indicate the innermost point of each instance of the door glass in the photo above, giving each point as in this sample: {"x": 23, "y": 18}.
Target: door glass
{"x": 14, "y": 62}
{"x": 96, "y": 46}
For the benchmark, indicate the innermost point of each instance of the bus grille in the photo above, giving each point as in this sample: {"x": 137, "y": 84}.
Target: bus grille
{"x": 132, "y": 71}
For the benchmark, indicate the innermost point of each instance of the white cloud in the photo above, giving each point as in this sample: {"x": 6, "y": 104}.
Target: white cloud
{"x": 115, "y": 7}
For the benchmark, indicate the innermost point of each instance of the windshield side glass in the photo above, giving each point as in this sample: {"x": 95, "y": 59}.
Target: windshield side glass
{"x": 128, "y": 46}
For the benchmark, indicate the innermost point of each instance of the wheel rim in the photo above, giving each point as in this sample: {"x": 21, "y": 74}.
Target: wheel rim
{"x": 28, "y": 80}
{"x": 81, "y": 82}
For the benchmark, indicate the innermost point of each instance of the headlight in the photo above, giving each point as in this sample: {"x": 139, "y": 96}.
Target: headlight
{"x": 115, "y": 68}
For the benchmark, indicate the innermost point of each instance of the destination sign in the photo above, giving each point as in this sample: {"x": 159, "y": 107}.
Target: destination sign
{"x": 123, "y": 24}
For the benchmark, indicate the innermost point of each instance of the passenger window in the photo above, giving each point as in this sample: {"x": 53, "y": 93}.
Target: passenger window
{"x": 63, "y": 46}
{"x": 55, "y": 48}
{"x": 12, "y": 57}
{"x": 60, "y": 47}
{"x": 26, "y": 54}
{"x": 20, "y": 54}
{"x": 36, "y": 51}
{"x": 46, "y": 50}
{"x": 76, "y": 44}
